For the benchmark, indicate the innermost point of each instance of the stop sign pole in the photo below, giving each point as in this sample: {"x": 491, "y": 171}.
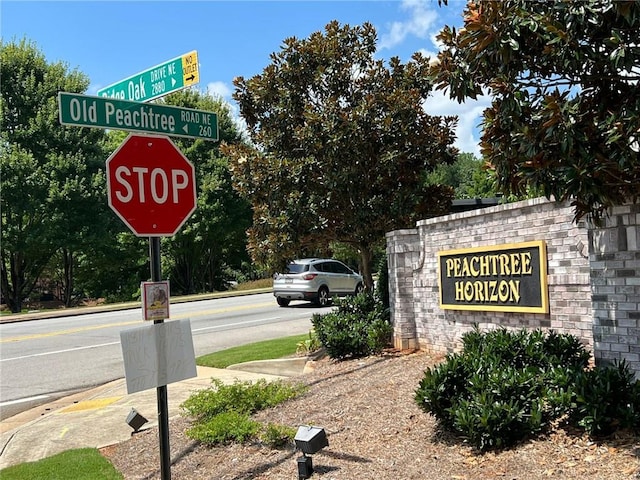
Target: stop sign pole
{"x": 151, "y": 187}
{"x": 161, "y": 391}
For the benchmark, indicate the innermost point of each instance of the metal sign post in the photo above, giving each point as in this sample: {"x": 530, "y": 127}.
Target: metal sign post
{"x": 163, "y": 405}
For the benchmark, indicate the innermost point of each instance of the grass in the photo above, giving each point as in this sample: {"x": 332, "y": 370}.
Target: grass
{"x": 89, "y": 464}
{"x": 266, "y": 350}
{"x": 253, "y": 284}
{"x": 78, "y": 464}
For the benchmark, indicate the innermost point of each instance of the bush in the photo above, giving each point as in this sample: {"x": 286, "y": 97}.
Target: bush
{"x": 241, "y": 397}
{"x": 359, "y": 327}
{"x": 224, "y": 428}
{"x": 222, "y": 412}
{"x": 309, "y": 345}
{"x": 607, "y": 399}
{"x": 277, "y": 436}
{"x": 382, "y": 287}
{"x": 505, "y": 386}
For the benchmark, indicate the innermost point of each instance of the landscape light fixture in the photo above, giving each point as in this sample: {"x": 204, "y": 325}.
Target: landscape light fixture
{"x": 309, "y": 440}
{"x": 135, "y": 420}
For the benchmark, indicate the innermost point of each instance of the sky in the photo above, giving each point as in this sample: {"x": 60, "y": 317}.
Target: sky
{"x": 112, "y": 40}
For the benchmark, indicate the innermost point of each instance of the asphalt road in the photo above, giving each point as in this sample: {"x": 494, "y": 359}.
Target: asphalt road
{"x": 41, "y": 360}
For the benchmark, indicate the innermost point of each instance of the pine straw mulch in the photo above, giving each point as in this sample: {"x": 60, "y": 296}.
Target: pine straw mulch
{"x": 376, "y": 431}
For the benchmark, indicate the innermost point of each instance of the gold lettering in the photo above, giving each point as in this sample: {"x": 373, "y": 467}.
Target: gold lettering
{"x": 477, "y": 289}
{"x": 465, "y": 267}
{"x": 526, "y": 263}
{"x": 494, "y": 264}
{"x": 473, "y": 264}
{"x": 504, "y": 264}
{"x": 494, "y": 291}
{"x": 491, "y": 291}
{"x": 468, "y": 291}
{"x": 514, "y": 287}
{"x": 449, "y": 264}
{"x": 503, "y": 292}
{"x": 484, "y": 266}
{"x": 456, "y": 267}
{"x": 516, "y": 266}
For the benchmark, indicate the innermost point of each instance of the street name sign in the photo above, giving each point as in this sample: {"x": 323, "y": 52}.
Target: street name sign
{"x": 168, "y": 77}
{"x": 101, "y": 112}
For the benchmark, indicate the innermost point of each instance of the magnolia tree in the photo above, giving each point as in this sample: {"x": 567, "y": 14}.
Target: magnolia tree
{"x": 566, "y": 99}
{"x": 340, "y": 146}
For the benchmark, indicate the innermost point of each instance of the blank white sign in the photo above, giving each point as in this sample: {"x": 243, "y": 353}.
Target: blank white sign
{"x": 158, "y": 354}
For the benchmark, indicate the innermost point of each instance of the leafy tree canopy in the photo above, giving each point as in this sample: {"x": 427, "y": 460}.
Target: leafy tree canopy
{"x": 467, "y": 175}
{"x": 564, "y": 78}
{"x": 49, "y": 172}
{"x": 212, "y": 243}
{"x": 342, "y": 144}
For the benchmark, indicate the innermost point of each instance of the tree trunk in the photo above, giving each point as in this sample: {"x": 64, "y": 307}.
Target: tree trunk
{"x": 8, "y": 295}
{"x": 366, "y": 256}
{"x": 67, "y": 279}
{"x": 12, "y": 291}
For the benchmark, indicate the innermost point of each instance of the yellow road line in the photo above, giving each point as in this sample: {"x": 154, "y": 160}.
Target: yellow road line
{"x": 64, "y": 332}
{"x": 135, "y": 322}
{"x": 90, "y": 404}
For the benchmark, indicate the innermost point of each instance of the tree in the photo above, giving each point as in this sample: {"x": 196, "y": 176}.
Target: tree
{"x": 566, "y": 97}
{"x": 213, "y": 240}
{"x": 340, "y": 146}
{"x": 467, "y": 175}
{"x": 48, "y": 171}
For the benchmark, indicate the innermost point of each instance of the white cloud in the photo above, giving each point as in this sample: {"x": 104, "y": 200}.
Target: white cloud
{"x": 421, "y": 21}
{"x": 424, "y": 22}
{"x": 219, "y": 88}
{"x": 222, "y": 90}
{"x": 469, "y": 116}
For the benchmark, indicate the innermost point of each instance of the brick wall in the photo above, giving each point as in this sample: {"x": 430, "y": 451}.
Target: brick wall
{"x": 593, "y": 277}
{"x": 615, "y": 278}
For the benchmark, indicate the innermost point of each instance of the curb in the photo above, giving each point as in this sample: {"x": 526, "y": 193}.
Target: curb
{"x": 68, "y": 312}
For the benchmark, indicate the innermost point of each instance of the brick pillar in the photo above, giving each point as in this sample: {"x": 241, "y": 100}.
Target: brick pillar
{"x": 403, "y": 250}
{"x": 615, "y": 286}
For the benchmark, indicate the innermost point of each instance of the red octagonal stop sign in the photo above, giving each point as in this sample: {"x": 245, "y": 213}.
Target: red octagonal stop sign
{"x": 151, "y": 185}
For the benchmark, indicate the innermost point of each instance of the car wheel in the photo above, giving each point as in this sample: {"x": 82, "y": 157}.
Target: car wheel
{"x": 283, "y": 302}
{"x": 323, "y": 297}
{"x": 359, "y": 288}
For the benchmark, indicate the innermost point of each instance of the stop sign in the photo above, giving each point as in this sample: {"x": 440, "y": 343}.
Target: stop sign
{"x": 151, "y": 185}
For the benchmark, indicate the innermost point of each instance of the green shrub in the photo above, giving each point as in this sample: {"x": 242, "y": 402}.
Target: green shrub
{"x": 308, "y": 345}
{"x": 277, "y": 436}
{"x": 241, "y": 397}
{"x": 607, "y": 399}
{"x": 224, "y": 428}
{"x": 505, "y": 386}
{"x": 222, "y": 412}
{"x": 382, "y": 287}
{"x": 359, "y": 327}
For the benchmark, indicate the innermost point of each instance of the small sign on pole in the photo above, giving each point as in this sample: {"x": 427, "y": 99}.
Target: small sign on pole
{"x": 155, "y": 300}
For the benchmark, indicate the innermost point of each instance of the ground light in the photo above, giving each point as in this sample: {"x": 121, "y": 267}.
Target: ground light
{"x": 309, "y": 440}
{"x": 135, "y": 420}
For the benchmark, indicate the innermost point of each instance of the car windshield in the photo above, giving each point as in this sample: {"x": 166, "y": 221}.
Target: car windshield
{"x": 296, "y": 268}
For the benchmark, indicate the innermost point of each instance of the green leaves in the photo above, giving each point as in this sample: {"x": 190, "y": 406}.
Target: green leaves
{"x": 341, "y": 144}
{"x": 222, "y": 412}
{"x": 358, "y": 328}
{"x": 564, "y": 79}
{"x": 49, "y": 172}
{"x": 505, "y": 386}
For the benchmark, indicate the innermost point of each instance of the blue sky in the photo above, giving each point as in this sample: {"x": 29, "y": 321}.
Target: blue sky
{"x": 109, "y": 41}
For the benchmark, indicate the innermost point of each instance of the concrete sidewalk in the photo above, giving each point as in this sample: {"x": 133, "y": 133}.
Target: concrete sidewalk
{"x": 97, "y": 417}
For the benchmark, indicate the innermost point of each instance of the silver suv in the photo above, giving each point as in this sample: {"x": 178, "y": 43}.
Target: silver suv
{"x": 315, "y": 280}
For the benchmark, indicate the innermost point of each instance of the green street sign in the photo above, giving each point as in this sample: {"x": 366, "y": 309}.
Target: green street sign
{"x": 171, "y": 76}
{"x": 100, "y": 112}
